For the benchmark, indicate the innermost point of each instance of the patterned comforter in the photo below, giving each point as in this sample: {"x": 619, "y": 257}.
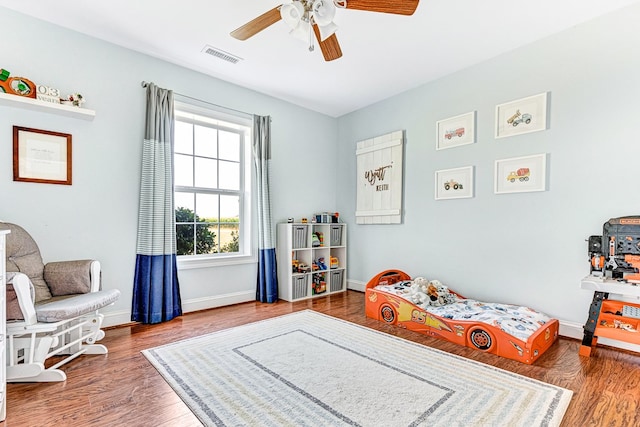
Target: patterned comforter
{"x": 519, "y": 321}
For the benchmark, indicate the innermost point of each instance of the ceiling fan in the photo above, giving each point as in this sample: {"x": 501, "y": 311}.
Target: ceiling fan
{"x": 309, "y": 18}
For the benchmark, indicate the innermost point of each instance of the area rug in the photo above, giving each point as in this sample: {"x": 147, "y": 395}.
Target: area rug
{"x": 309, "y": 369}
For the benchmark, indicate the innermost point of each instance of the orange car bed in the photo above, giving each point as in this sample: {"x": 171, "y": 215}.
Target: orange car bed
{"x": 428, "y": 307}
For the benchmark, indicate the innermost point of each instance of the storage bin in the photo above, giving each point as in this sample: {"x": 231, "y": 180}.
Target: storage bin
{"x": 299, "y": 236}
{"x": 336, "y": 235}
{"x": 299, "y": 287}
{"x": 336, "y": 280}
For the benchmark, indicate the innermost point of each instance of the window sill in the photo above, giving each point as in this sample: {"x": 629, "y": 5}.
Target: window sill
{"x": 190, "y": 262}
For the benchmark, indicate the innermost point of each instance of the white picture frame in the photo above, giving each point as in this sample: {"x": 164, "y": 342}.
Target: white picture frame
{"x": 521, "y": 174}
{"x": 521, "y": 116}
{"x": 456, "y": 131}
{"x": 454, "y": 183}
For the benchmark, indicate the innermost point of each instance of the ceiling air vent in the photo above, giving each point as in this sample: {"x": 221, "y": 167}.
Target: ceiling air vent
{"x": 221, "y": 54}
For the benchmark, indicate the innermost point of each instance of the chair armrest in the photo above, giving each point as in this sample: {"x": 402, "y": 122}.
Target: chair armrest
{"x": 24, "y": 294}
{"x": 72, "y": 277}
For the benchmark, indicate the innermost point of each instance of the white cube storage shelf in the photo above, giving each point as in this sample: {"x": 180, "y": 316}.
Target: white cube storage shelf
{"x": 307, "y": 246}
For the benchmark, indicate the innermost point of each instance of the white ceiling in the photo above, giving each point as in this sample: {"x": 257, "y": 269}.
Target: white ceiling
{"x": 383, "y": 54}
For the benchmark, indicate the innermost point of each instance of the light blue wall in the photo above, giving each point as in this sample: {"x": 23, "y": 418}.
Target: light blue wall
{"x": 96, "y": 217}
{"x": 520, "y": 248}
{"x": 526, "y": 248}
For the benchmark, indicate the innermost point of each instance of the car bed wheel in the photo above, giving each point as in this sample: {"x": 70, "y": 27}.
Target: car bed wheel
{"x": 481, "y": 339}
{"x": 388, "y": 314}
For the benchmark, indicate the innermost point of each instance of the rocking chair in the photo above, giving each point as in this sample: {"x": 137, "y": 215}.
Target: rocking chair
{"x": 52, "y": 310}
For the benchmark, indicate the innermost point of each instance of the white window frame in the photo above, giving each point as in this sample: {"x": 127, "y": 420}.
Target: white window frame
{"x": 248, "y": 246}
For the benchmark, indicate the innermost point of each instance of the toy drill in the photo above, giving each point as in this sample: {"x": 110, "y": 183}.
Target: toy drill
{"x": 616, "y": 254}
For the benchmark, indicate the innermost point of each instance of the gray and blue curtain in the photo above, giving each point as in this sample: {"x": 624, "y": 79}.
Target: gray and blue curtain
{"x": 267, "y": 288}
{"x": 156, "y": 292}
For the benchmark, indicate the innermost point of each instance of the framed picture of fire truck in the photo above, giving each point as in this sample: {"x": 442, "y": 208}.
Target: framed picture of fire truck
{"x": 521, "y": 116}
{"x": 456, "y": 131}
{"x": 521, "y": 174}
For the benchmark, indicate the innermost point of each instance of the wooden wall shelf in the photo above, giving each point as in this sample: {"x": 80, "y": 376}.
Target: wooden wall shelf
{"x": 45, "y": 107}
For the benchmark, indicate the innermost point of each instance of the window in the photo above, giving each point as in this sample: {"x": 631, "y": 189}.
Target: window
{"x": 212, "y": 181}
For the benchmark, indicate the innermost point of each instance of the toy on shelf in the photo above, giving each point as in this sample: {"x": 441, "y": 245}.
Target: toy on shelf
{"x": 317, "y": 239}
{"x": 320, "y": 263}
{"x": 326, "y": 217}
{"x": 303, "y": 268}
{"x": 319, "y": 284}
{"x": 16, "y": 85}
{"x": 334, "y": 262}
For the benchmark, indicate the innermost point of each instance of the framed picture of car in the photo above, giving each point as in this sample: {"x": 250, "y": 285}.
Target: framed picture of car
{"x": 521, "y": 174}
{"x": 523, "y": 115}
{"x": 454, "y": 183}
{"x": 456, "y": 131}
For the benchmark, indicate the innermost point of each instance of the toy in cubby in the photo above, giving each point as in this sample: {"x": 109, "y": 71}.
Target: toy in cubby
{"x": 317, "y": 239}
{"x": 321, "y": 264}
{"x": 319, "y": 284}
{"x": 334, "y": 262}
{"x": 299, "y": 267}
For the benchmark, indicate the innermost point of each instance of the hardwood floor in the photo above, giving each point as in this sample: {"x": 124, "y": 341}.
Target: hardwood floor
{"x": 122, "y": 388}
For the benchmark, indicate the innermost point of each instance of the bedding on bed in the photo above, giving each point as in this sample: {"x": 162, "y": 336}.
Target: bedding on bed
{"x": 519, "y": 321}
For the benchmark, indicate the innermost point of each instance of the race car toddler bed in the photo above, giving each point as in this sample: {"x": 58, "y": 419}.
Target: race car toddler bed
{"x": 428, "y": 307}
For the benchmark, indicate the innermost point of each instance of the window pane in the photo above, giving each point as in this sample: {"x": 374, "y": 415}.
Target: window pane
{"x": 183, "y": 169}
{"x": 184, "y": 239}
{"x": 229, "y": 237}
{"x": 184, "y": 207}
{"x": 206, "y": 141}
{"x": 207, "y": 207}
{"x": 206, "y": 239}
{"x": 206, "y": 173}
{"x": 183, "y": 138}
{"x": 230, "y": 208}
{"x": 229, "y": 175}
{"x": 229, "y": 146}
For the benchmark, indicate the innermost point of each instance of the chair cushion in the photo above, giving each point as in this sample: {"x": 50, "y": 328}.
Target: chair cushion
{"x": 58, "y": 309}
{"x": 68, "y": 277}
{"x": 23, "y": 256}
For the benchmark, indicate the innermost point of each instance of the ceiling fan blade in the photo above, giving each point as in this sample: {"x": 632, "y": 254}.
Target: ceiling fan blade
{"x": 330, "y": 47}
{"x": 258, "y": 24}
{"x": 399, "y": 7}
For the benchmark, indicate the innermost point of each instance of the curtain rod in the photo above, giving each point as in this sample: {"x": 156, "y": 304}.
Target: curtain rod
{"x": 145, "y": 84}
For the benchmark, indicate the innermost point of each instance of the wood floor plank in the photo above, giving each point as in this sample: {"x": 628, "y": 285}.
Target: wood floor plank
{"x": 123, "y": 388}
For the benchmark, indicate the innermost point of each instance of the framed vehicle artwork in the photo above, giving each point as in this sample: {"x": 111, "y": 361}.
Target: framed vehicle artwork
{"x": 456, "y": 131}
{"x": 454, "y": 183}
{"x": 521, "y": 174}
{"x": 521, "y": 116}
{"x": 41, "y": 156}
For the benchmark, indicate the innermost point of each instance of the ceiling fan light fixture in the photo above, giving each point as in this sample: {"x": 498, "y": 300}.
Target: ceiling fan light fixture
{"x": 292, "y": 14}
{"x": 323, "y": 11}
{"x": 301, "y": 31}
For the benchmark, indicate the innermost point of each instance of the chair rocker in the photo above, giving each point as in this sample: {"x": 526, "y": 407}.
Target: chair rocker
{"x": 52, "y": 310}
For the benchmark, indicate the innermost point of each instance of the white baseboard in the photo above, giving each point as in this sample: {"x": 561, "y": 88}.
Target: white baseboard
{"x": 571, "y": 329}
{"x": 356, "y": 285}
{"x": 116, "y": 318}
